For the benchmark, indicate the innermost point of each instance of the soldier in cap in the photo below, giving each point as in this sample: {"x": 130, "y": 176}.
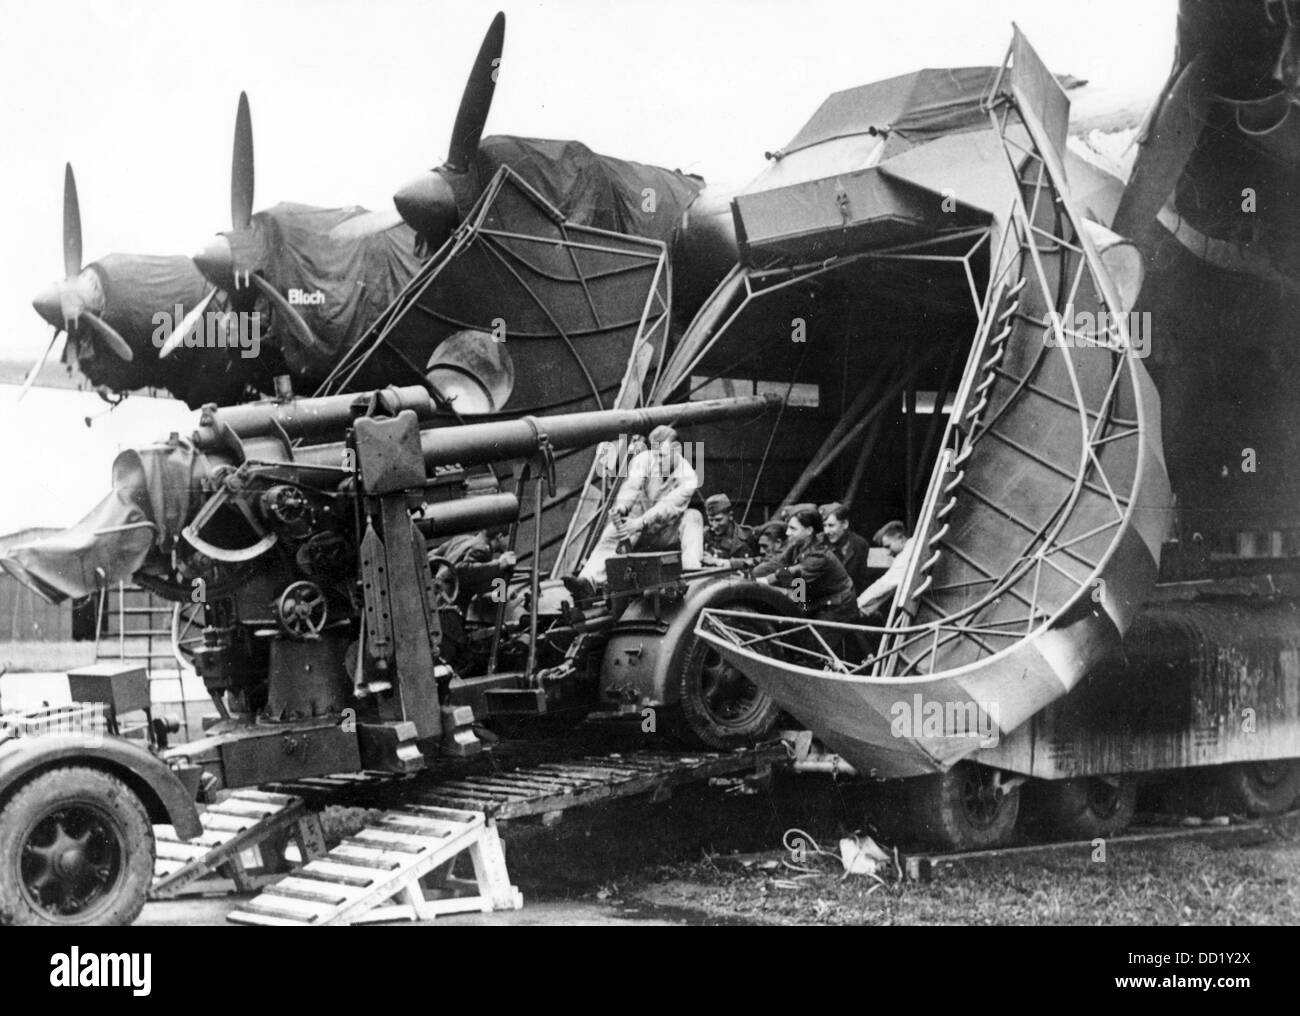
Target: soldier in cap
{"x": 784, "y": 513}
{"x": 847, "y": 545}
{"x": 726, "y": 539}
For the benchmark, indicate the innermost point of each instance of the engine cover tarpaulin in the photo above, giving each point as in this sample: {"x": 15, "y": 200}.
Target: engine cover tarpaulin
{"x": 595, "y": 190}
{"x": 152, "y": 496}
{"x": 338, "y": 284}
{"x": 137, "y": 289}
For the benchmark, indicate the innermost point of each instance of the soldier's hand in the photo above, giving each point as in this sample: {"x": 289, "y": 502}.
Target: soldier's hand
{"x": 630, "y": 527}
{"x": 508, "y": 559}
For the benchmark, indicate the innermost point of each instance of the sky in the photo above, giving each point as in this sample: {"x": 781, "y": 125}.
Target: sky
{"x": 351, "y": 98}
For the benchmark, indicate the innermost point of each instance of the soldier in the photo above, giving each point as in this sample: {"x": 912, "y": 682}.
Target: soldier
{"x": 771, "y": 540}
{"x": 849, "y": 547}
{"x": 786, "y": 512}
{"x": 725, "y": 539}
{"x": 808, "y": 565}
{"x": 649, "y": 513}
{"x": 827, "y": 589}
{"x": 877, "y": 596}
{"x": 478, "y": 559}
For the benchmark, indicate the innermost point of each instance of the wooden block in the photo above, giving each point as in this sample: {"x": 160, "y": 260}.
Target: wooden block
{"x": 450, "y": 814}
{"x": 226, "y": 823}
{"x": 343, "y": 874}
{"x": 367, "y": 857}
{"x": 180, "y": 851}
{"x": 384, "y": 839}
{"x": 248, "y": 809}
{"x": 262, "y": 796}
{"x": 265, "y": 920}
{"x": 310, "y": 891}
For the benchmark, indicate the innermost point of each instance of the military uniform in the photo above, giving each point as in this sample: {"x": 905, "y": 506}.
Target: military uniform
{"x": 828, "y": 590}
{"x": 852, "y": 550}
{"x": 475, "y": 563}
{"x": 735, "y": 541}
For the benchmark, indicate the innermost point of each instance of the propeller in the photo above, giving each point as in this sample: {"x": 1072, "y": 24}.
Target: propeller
{"x": 30, "y": 379}
{"x": 428, "y": 203}
{"x": 227, "y": 260}
{"x": 186, "y": 326}
{"x": 79, "y": 298}
{"x": 217, "y": 260}
{"x": 1172, "y": 135}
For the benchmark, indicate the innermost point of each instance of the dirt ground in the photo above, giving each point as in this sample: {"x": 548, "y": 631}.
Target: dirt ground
{"x": 711, "y": 856}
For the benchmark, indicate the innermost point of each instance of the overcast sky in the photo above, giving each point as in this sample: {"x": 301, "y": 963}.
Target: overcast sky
{"x": 350, "y": 98}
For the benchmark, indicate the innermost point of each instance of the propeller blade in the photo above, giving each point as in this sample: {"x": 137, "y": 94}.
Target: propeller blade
{"x": 31, "y": 378}
{"x": 112, "y": 340}
{"x": 1162, "y": 158}
{"x": 241, "y": 168}
{"x": 301, "y": 330}
{"x": 71, "y": 225}
{"x": 477, "y": 99}
{"x": 186, "y": 326}
{"x": 367, "y": 224}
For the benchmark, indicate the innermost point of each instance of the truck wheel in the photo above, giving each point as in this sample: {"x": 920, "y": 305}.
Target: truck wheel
{"x": 1261, "y": 788}
{"x": 1087, "y": 807}
{"x": 966, "y": 808}
{"x": 76, "y": 848}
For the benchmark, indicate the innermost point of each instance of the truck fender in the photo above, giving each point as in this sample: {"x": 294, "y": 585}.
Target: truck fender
{"x": 642, "y": 648}
{"x": 160, "y": 790}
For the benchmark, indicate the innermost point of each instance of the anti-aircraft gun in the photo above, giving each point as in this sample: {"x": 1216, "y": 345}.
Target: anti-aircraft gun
{"x": 298, "y": 531}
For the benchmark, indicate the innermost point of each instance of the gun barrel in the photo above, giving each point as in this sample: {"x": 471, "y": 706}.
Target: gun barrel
{"x": 312, "y": 420}
{"x": 477, "y": 443}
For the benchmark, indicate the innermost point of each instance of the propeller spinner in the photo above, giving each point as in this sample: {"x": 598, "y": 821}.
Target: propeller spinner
{"x": 79, "y": 298}
{"x": 428, "y": 203}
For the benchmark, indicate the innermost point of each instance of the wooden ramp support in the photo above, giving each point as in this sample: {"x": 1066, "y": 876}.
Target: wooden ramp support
{"x": 244, "y": 821}
{"x": 376, "y": 875}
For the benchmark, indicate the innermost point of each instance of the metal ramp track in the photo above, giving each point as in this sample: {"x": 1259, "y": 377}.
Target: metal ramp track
{"x": 242, "y": 822}
{"x": 1040, "y": 534}
{"x": 385, "y": 862}
{"x": 548, "y": 789}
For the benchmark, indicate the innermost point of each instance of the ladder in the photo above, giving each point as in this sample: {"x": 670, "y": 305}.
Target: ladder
{"x": 134, "y": 624}
{"x": 245, "y": 821}
{"x": 376, "y": 875}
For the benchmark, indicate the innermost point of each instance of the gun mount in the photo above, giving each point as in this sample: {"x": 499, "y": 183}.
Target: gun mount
{"x": 292, "y": 534}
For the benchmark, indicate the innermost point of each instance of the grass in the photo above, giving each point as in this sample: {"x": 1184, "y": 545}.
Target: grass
{"x": 675, "y": 856}
{"x": 1181, "y": 883}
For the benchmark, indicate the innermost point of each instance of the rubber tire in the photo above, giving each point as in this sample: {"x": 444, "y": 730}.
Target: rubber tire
{"x": 938, "y": 815}
{"x": 66, "y": 785}
{"x": 689, "y": 720}
{"x": 1244, "y": 791}
{"x": 1067, "y": 808}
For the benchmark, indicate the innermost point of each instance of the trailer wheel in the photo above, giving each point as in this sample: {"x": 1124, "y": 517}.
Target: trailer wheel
{"x": 967, "y": 808}
{"x": 1087, "y": 807}
{"x": 1261, "y": 788}
{"x": 76, "y": 848}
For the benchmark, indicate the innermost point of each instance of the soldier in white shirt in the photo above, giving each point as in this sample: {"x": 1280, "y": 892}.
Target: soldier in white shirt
{"x": 877, "y": 596}
{"x": 650, "y": 511}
